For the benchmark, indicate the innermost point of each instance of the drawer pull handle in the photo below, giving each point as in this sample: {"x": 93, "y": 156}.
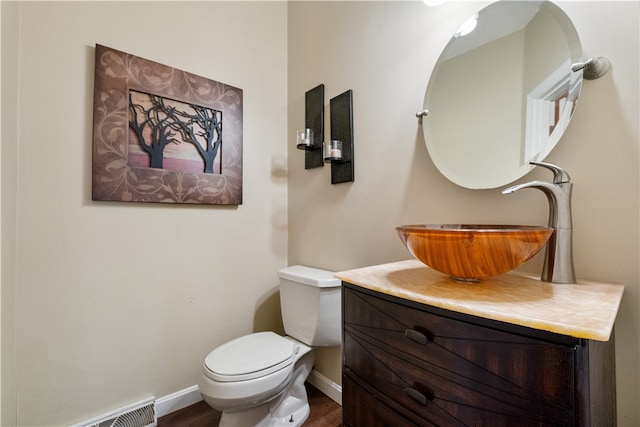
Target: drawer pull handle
{"x": 419, "y": 336}
{"x": 422, "y": 397}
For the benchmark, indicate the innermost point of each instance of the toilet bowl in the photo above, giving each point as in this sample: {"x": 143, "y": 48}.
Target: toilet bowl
{"x": 258, "y": 379}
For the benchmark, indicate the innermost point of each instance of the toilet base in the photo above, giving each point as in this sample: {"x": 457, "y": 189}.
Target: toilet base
{"x": 290, "y": 409}
{"x": 258, "y": 416}
{"x": 294, "y": 419}
{"x": 261, "y": 416}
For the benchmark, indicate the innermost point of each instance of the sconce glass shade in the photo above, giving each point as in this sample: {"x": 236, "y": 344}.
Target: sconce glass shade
{"x": 333, "y": 151}
{"x": 304, "y": 139}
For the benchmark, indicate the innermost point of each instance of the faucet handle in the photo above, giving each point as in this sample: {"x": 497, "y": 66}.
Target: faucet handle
{"x": 559, "y": 175}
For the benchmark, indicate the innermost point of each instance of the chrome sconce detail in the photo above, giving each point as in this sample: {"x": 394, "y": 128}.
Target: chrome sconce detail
{"x": 304, "y": 139}
{"x": 311, "y": 138}
{"x": 333, "y": 151}
{"x": 339, "y": 150}
{"x": 593, "y": 68}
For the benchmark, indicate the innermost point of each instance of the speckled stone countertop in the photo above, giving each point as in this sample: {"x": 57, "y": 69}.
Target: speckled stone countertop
{"x": 583, "y": 310}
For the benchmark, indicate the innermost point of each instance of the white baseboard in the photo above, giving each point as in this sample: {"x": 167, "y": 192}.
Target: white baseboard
{"x": 326, "y": 386}
{"x": 178, "y": 400}
{"x": 191, "y": 395}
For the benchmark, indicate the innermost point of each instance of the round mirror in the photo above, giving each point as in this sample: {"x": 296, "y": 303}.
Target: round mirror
{"x": 502, "y": 93}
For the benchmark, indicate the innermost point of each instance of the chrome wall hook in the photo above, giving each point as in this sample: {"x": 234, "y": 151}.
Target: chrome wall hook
{"x": 593, "y": 68}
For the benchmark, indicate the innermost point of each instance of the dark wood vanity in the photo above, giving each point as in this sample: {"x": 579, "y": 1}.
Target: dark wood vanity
{"x": 410, "y": 363}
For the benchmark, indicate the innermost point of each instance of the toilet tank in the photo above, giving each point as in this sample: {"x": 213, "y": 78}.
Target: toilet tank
{"x": 310, "y": 299}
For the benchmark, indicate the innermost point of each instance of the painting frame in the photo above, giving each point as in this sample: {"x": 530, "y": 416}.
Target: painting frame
{"x": 113, "y": 177}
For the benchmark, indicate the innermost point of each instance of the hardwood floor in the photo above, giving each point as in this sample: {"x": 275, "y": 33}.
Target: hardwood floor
{"x": 324, "y": 413}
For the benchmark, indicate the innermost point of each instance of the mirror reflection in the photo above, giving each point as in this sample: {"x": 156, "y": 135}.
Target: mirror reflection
{"x": 502, "y": 93}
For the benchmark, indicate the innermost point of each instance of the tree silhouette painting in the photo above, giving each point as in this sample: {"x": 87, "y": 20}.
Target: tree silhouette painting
{"x": 173, "y": 135}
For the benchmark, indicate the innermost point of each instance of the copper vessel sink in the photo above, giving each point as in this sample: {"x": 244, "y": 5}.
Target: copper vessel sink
{"x": 470, "y": 252}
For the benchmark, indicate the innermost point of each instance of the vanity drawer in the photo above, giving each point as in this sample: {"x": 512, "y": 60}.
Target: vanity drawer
{"x": 451, "y": 358}
{"x": 440, "y": 396}
{"x": 366, "y": 410}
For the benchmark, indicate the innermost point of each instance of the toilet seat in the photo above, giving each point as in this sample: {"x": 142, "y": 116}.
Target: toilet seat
{"x": 249, "y": 357}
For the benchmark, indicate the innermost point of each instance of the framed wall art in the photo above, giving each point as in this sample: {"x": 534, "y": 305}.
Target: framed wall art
{"x": 164, "y": 135}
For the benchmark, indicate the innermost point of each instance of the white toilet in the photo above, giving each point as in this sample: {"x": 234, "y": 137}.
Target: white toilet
{"x": 258, "y": 379}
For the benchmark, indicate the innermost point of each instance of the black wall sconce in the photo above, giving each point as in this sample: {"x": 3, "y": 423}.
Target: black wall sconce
{"x": 339, "y": 150}
{"x": 311, "y": 138}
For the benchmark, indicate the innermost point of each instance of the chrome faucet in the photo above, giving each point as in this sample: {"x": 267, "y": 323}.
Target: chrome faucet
{"x": 558, "y": 263}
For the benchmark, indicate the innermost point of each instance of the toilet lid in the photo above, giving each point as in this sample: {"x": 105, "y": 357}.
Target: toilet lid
{"x": 250, "y": 356}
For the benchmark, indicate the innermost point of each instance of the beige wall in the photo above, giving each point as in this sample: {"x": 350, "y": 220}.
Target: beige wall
{"x": 107, "y": 311}
{"x": 384, "y": 52}
{"x": 114, "y": 301}
{"x": 8, "y": 169}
